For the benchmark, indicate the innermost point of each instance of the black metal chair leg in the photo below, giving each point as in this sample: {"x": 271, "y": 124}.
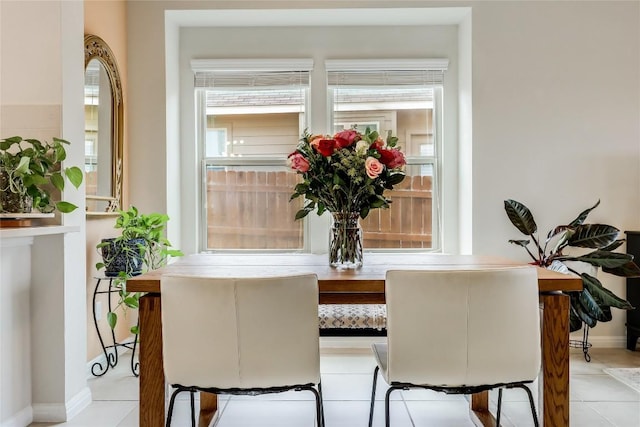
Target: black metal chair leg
{"x": 387, "y": 418}
{"x": 531, "y": 403}
{"x": 172, "y": 401}
{"x": 499, "y": 407}
{"x": 193, "y": 409}
{"x": 319, "y": 409}
{"x": 321, "y": 404}
{"x": 373, "y": 395}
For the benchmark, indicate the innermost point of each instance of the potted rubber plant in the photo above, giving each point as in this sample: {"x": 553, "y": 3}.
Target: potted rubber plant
{"x": 30, "y": 170}
{"x": 593, "y": 304}
{"x": 141, "y": 246}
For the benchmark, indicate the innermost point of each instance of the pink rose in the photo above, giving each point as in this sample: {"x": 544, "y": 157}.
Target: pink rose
{"x": 297, "y": 162}
{"x": 373, "y": 167}
{"x": 326, "y": 147}
{"x": 346, "y": 138}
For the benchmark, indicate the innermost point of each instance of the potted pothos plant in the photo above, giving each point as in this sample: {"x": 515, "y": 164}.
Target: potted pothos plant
{"x": 594, "y": 302}
{"x": 30, "y": 170}
{"x": 140, "y": 247}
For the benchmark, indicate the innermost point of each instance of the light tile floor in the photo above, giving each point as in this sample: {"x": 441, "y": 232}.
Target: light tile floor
{"x": 596, "y": 399}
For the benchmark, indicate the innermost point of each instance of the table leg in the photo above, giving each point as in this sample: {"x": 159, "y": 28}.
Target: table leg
{"x": 208, "y": 408}
{"x": 479, "y": 413}
{"x": 555, "y": 360}
{"x": 151, "y": 368}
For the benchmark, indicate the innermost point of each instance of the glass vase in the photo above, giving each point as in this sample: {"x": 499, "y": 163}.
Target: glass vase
{"x": 345, "y": 241}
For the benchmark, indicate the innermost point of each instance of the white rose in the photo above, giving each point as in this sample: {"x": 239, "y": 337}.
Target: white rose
{"x": 362, "y": 147}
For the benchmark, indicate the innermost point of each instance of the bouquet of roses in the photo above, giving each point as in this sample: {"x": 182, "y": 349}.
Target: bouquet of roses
{"x": 347, "y": 172}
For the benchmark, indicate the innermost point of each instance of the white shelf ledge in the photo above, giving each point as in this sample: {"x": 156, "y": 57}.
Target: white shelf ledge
{"x": 13, "y": 232}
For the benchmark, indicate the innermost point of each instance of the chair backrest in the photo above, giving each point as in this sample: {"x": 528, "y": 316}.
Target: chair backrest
{"x": 465, "y": 327}
{"x": 240, "y": 332}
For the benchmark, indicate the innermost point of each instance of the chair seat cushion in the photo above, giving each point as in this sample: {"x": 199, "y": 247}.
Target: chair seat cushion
{"x": 352, "y": 316}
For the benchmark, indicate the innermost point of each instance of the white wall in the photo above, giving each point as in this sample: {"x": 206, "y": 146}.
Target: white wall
{"x": 554, "y": 101}
{"x": 556, "y": 121}
{"x": 41, "y": 96}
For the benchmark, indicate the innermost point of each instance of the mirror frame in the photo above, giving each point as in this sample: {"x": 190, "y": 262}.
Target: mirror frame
{"x": 96, "y": 48}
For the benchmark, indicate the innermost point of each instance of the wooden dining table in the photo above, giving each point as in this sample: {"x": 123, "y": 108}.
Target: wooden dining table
{"x": 359, "y": 286}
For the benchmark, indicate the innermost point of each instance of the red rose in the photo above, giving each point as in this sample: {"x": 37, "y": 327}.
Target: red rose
{"x": 392, "y": 158}
{"x": 386, "y": 157}
{"x": 398, "y": 159}
{"x": 378, "y": 144}
{"x": 346, "y": 138}
{"x": 326, "y": 147}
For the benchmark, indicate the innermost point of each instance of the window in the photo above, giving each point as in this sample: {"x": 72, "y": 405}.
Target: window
{"x": 251, "y": 115}
{"x": 405, "y": 98}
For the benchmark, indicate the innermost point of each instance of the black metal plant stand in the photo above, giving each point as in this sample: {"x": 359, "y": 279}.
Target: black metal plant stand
{"x": 585, "y": 345}
{"x": 111, "y": 351}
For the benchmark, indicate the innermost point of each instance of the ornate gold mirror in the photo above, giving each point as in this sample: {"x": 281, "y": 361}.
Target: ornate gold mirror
{"x": 103, "y": 127}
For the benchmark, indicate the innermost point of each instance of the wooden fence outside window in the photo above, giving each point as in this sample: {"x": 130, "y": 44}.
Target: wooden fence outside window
{"x": 251, "y": 210}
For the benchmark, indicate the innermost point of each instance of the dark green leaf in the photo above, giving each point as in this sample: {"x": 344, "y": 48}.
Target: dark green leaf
{"x": 603, "y": 295}
{"x": 522, "y": 243}
{"x": 520, "y": 217}
{"x": 615, "y": 245}
{"x": 605, "y": 259}
{"x": 593, "y": 236}
{"x": 585, "y": 317}
{"x": 607, "y": 316}
{"x": 575, "y": 323}
{"x": 378, "y": 203}
{"x": 583, "y": 215}
{"x": 590, "y": 305}
{"x": 302, "y": 213}
{"x": 112, "y": 319}
{"x": 559, "y": 229}
{"x": 135, "y": 330}
{"x": 396, "y": 178}
{"x": 301, "y": 188}
{"x": 99, "y": 266}
{"x": 630, "y": 269}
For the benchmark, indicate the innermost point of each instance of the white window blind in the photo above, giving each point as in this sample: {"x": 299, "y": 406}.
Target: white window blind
{"x": 385, "y": 72}
{"x": 258, "y": 74}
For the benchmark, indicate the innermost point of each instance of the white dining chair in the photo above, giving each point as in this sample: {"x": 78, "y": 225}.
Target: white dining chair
{"x": 460, "y": 332}
{"x": 241, "y": 336}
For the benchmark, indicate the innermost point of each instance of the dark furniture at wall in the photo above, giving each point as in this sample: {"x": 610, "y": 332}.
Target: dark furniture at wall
{"x": 633, "y": 292}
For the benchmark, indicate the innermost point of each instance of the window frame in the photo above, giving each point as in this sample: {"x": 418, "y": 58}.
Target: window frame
{"x": 316, "y": 226}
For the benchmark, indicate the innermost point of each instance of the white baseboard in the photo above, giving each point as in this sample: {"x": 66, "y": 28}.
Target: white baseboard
{"x": 22, "y": 418}
{"x": 360, "y": 344}
{"x": 60, "y": 412}
{"x": 348, "y": 344}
